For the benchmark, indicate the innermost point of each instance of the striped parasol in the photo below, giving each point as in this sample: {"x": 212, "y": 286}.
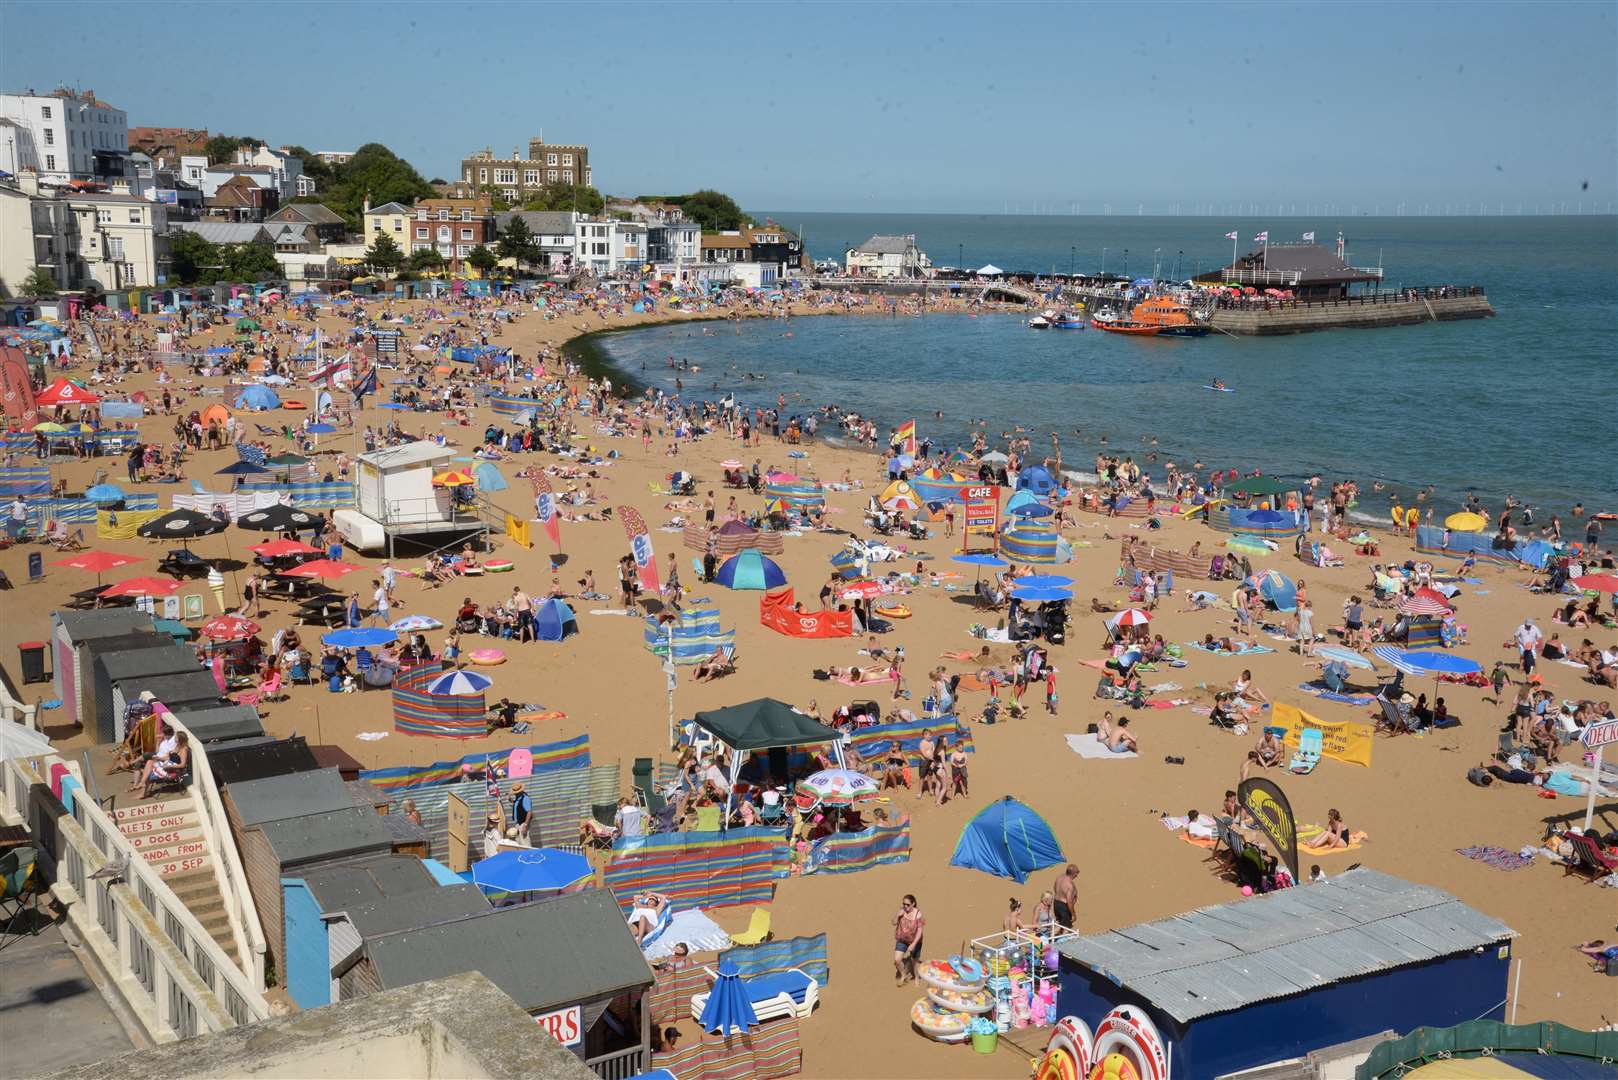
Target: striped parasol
{"x": 1423, "y": 605}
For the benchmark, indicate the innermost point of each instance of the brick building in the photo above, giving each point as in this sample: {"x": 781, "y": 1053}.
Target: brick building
{"x": 452, "y": 227}
{"x": 516, "y": 177}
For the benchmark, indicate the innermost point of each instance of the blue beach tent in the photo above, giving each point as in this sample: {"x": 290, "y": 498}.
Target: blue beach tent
{"x": 750, "y": 570}
{"x": 1038, "y": 479}
{"x": 1008, "y": 840}
{"x": 258, "y": 397}
{"x": 1278, "y": 589}
{"x": 554, "y": 620}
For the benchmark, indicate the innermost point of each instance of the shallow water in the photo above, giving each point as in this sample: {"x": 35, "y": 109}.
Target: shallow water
{"x": 1525, "y": 403}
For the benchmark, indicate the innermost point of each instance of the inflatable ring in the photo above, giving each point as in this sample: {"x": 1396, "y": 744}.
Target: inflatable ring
{"x": 938, "y": 1023}
{"x": 970, "y": 970}
{"x": 1057, "y": 1064}
{"x": 499, "y": 566}
{"x": 1127, "y": 1032}
{"x": 976, "y": 1003}
{"x": 1072, "y": 1039}
{"x": 1114, "y": 1067}
{"x": 897, "y": 611}
{"x": 941, "y": 975}
{"x": 486, "y": 657}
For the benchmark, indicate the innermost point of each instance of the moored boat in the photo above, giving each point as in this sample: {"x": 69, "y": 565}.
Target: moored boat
{"x": 1172, "y": 318}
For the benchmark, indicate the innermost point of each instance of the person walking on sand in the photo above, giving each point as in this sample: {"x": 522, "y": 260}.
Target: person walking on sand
{"x": 908, "y": 926}
{"x": 1066, "y": 892}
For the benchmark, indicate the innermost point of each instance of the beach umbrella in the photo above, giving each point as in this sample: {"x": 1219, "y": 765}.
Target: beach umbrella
{"x": 979, "y": 558}
{"x": 458, "y": 683}
{"x": 1130, "y": 617}
{"x": 1466, "y": 521}
{"x": 320, "y": 429}
{"x": 358, "y": 636}
{"x": 728, "y": 1011}
{"x": 49, "y": 427}
{"x": 283, "y": 549}
{"x": 65, "y": 392}
{"x": 1606, "y": 583}
{"x": 531, "y": 870}
{"x": 838, "y": 787}
{"x": 900, "y": 496}
{"x": 1423, "y": 605}
{"x": 246, "y": 324}
{"x": 1045, "y": 581}
{"x": 453, "y": 478}
{"x": 324, "y": 568}
{"x": 1342, "y": 656}
{"x": 105, "y": 493}
{"x": 1426, "y": 663}
{"x": 229, "y": 628}
{"x": 287, "y": 459}
{"x": 863, "y": 590}
{"x": 19, "y": 741}
{"x": 143, "y": 586}
{"x": 412, "y": 623}
{"x": 277, "y": 518}
{"x": 98, "y": 561}
{"x": 241, "y": 468}
{"x": 1267, "y": 517}
{"x": 1250, "y": 544}
{"x": 750, "y": 570}
{"x": 730, "y": 463}
{"x": 994, "y": 457}
{"x": 1041, "y": 594}
{"x": 219, "y": 350}
{"x": 180, "y": 525}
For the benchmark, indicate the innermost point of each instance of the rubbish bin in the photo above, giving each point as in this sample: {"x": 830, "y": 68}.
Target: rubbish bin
{"x": 33, "y": 661}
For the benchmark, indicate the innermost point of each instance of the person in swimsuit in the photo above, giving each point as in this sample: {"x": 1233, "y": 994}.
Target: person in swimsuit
{"x": 644, "y": 916}
{"x": 1336, "y": 831}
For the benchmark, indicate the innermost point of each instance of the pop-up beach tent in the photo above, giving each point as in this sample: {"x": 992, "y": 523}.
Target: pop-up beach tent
{"x": 1007, "y": 839}
{"x": 1038, "y": 479}
{"x": 554, "y": 620}
{"x": 765, "y": 724}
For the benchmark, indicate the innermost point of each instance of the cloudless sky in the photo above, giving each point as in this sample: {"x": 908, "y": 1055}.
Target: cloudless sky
{"x": 882, "y": 107}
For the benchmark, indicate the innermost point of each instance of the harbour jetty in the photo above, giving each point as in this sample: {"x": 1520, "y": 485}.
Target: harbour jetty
{"x": 1406, "y": 307}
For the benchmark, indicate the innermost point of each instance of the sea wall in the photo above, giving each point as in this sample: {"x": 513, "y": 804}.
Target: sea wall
{"x": 1302, "y": 318}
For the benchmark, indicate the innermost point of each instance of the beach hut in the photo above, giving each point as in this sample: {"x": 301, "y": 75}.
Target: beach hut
{"x": 750, "y": 570}
{"x": 1007, "y": 839}
{"x": 72, "y": 636}
{"x": 114, "y": 667}
{"x": 1315, "y": 966}
{"x": 554, "y": 620}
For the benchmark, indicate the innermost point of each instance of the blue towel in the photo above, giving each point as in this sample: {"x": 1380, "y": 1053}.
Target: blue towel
{"x": 764, "y": 987}
{"x": 1220, "y": 652}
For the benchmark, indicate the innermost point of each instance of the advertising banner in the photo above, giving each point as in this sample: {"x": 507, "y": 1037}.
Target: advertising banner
{"x": 982, "y": 514}
{"x": 1269, "y": 807}
{"x": 1344, "y": 740}
{"x": 640, "y": 545}
{"x": 777, "y": 610}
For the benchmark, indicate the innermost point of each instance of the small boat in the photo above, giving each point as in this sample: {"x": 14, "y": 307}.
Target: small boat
{"x": 1172, "y": 318}
{"x": 1126, "y": 326}
{"x": 1042, "y": 321}
{"x": 1070, "y": 320}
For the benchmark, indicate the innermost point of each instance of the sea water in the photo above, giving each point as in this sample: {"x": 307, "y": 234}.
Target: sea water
{"x": 1525, "y": 403}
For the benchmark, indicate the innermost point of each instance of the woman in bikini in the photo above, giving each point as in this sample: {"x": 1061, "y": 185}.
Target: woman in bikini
{"x": 644, "y": 916}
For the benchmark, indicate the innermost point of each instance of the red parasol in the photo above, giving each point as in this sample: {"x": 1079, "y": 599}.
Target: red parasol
{"x": 863, "y": 590}
{"x": 1423, "y": 605}
{"x": 324, "y": 568}
{"x": 98, "y": 562}
{"x": 1130, "y": 617}
{"x": 280, "y": 549}
{"x": 1607, "y": 583}
{"x": 229, "y": 628}
{"x": 143, "y": 586}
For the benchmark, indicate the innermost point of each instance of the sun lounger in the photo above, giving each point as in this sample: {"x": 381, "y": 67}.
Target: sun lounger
{"x": 785, "y": 993}
{"x": 1308, "y": 755}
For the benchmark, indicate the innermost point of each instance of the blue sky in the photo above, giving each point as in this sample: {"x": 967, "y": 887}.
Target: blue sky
{"x": 922, "y": 107}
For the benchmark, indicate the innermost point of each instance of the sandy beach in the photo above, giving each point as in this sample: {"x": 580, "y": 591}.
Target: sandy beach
{"x": 1413, "y": 802}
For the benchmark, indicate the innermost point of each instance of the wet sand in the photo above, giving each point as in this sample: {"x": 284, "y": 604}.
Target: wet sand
{"x": 1413, "y": 801}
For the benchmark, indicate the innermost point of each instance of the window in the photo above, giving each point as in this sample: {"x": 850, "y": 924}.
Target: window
{"x": 376, "y": 223}
{"x": 50, "y": 137}
{"x": 115, "y": 248}
{"x": 421, "y": 214}
{"x": 398, "y": 226}
{"x": 530, "y": 177}
{"x": 463, "y": 250}
{"x": 45, "y": 112}
{"x": 421, "y": 232}
{"x": 104, "y": 217}
{"x": 466, "y": 215}
{"x": 50, "y": 162}
{"x": 505, "y": 176}
{"x": 567, "y": 176}
{"x": 443, "y": 215}
{"x": 567, "y": 159}
{"x": 444, "y": 234}
{"x": 483, "y": 176}
{"x": 466, "y": 234}
{"x": 550, "y": 159}
{"x": 550, "y": 174}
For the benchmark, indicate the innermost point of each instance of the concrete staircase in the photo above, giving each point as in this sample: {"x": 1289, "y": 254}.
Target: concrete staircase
{"x": 168, "y": 836}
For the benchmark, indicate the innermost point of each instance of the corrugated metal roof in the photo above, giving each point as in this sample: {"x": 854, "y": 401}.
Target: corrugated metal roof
{"x": 107, "y": 622}
{"x": 317, "y": 837}
{"x": 418, "y": 910}
{"x": 221, "y": 722}
{"x": 1232, "y": 955}
{"x": 365, "y": 881}
{"x": 556, "y": 952}
{"x": 276, "y": 798}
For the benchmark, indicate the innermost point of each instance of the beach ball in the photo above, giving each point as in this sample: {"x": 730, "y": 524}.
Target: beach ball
{"x": 1247, "y": 890}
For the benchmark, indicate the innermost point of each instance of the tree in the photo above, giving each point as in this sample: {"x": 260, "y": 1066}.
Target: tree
{"x": 560, "y": 196}
{"x": 247, "y": 262}
{"x": 222, "y": 148}
{"x": 482, "y": 259}
{"x": 40, "y": 284}
{"x": 313, "y": 167}
{"x": 190, "y": 257}
{"x": 713, "y": 210}
{"x": 426, "y": 259}
{"x": 377, "y": 173}
{"x": 517, "y": 243}
{"x": 384, "y": 254}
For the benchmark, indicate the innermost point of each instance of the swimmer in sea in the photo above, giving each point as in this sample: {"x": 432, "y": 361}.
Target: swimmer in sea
{"x": 1218, "y": 384}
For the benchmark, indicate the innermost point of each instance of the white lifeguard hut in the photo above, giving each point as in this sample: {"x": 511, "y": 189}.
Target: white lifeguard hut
{"x": 395, "y": 497}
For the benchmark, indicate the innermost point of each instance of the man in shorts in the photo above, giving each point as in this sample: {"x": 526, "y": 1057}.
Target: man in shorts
{"x": 1066, "y": 891}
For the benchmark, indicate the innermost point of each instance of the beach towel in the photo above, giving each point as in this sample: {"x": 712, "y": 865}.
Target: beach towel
{"x": 1247, "y": 650}
{"x": 971, "y": 682}
{"x": 694, "y": 928}
{"x": 1309, "y": 837}
{"x": 1207, "y": 843}
{"x": 1089, "y": 746}
{"x": 541, "y": 717}
{"x": 1166, "y": 703}
{"x": 1497, "y": 857}
{"x": 1327, "y": 695}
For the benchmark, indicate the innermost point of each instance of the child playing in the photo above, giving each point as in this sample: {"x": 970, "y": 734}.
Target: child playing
{"x": 452, "y": 646}
{"x": 1050, "y": 690}
{"x": 1498, "y": 679}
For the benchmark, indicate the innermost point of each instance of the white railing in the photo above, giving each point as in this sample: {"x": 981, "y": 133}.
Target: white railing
{"x": 166, "y": 969}
{"x": 245, "y": 929}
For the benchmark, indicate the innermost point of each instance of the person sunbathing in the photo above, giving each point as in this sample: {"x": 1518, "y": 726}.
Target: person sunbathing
{"x": 714, "y": 666}
{"x": 1336, "y": 834}
{"x": 644, "y": 916}
{"x": 161, "y": 770}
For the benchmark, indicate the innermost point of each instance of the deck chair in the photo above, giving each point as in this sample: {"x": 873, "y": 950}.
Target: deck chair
{"x": 268, "y": 690}
{"x": 758, "y": 929}
{"x": 1393, "y": 720}
{"x": 1308, "y": 756}
{"x": 19, "y": 892}
{"x": 1588, "y": 859}
{"x": 707, "y": 819}
{"x": 654, "y": 802}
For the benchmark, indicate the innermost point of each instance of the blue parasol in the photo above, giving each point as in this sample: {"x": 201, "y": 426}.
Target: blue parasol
{"x": 394, "y": 405}
{"x": 219, "y": 350}
{"x": 358, "y": 636}
{"x": 320, "y": 429}
{"x": 109, "y": 493}
{"x": 1046, "y": 581}
{"x": 1032, "y": 510}
{"x": 979, "y": 558}
{"x": 1342, "y": 656}
{"x": 531, "y": 870}
{"x": 460, "y": 683}
{"x": 1426, "y": 663}
{"x": 728, "y": 1011}
{"x": 1037, "y": 594}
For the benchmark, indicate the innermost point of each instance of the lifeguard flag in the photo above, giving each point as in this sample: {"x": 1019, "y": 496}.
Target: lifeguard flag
{"x": 906, "y": 437}
{"x": 545, "y": 506}
{"x": 640, "y": 545}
